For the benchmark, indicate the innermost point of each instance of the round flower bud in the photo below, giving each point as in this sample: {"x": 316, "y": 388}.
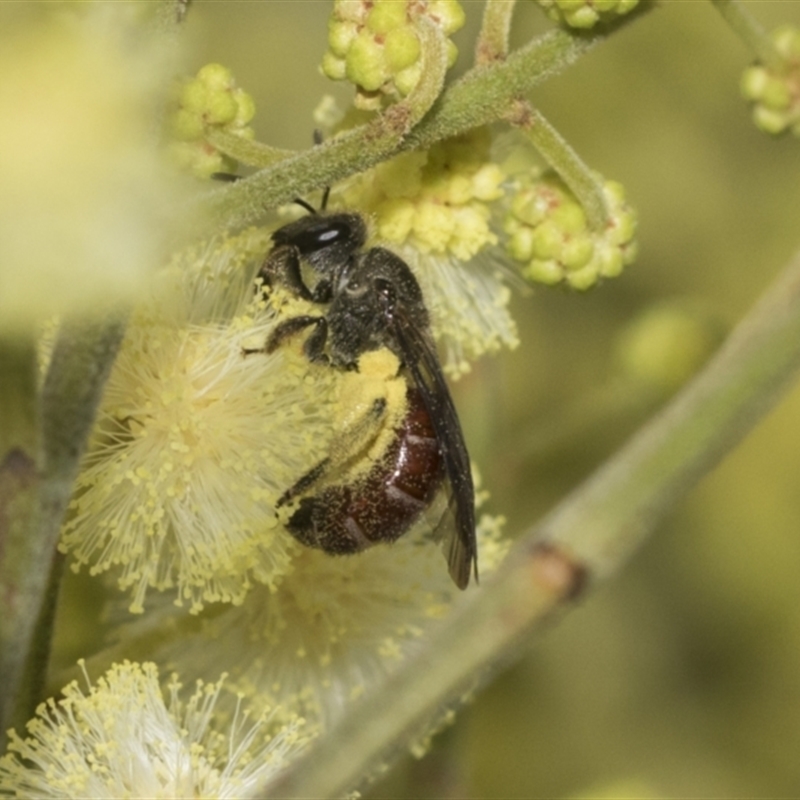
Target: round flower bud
{"x": 365, "y": 63}
{"x": 340, "y": 37}
{"x": 386, "y": 17}
{"x": 775, "y": 90}
{"x": 209, "y": 100}
{"x": 585, "y": 14}
{"x": 375, "y": 45}
{"x": 549, "y": 235}
{"x": 402, "y": 48}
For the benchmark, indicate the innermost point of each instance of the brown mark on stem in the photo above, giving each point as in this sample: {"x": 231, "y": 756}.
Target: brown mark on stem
{"x": 555, "y": 571}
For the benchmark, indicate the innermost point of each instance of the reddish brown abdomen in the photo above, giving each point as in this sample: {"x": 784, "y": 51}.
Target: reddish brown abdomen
{"x": 386, "y": 503}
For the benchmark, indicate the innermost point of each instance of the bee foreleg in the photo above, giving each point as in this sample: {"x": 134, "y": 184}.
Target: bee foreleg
{"x": 289, "y": 328}
{"x": 282, "y": 266}
{"x": 314, "y": 346}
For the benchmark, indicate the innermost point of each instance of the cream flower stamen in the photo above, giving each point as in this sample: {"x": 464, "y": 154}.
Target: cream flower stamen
{"x": 123, "y": 739}
{"x": 196, "y": 441}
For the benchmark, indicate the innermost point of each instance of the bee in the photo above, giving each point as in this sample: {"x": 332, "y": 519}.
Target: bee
{"x": 371, "y": 303}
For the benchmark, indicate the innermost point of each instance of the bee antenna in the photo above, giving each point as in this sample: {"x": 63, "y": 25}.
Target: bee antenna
{"x": 319, "y": 137}
{"x": 307, "y": 206}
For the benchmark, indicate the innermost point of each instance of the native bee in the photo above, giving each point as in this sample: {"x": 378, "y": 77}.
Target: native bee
{"x": 370, "y": 302}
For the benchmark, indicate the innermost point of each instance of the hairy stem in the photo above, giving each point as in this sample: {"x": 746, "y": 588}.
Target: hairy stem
{"x": 80, "y": 363}
{"x": 20, "y": 554}
{"x": 587, "y": 537}
{"x": 575, "y": 173}
{"x": 492, "y": 42}
{"x": 485, "y": 94}
{"x": 246, "y": 151}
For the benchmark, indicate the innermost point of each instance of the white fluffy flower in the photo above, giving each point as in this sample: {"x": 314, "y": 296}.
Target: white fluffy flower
{"x": 195, "y": 441}
{"x": 332, "y": 630}
{"x": 123, "y": 739}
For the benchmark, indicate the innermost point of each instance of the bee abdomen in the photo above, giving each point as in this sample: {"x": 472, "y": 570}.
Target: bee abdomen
{"x": 348, "y": 518}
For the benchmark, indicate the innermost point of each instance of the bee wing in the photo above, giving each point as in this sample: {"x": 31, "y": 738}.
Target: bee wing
{"x": 419, "y": 355}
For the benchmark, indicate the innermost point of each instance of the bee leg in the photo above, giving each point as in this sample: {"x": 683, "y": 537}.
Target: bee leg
{"x": 283, "y": 331}
{"x": 322, "y": 292}
{"x": 282, "y": 266}
{"x": 308, "y": 480}
{"x": 292, "y": 326}
{"x": 314, "y": 347}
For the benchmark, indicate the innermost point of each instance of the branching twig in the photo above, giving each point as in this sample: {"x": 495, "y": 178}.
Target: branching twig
{"x": 485, "y": 94}
{"x": 570, "y": 167}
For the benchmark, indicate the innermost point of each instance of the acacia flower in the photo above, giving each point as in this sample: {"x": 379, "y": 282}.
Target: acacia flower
{"x": 194, "y": 441}
{"x": 435, "y": 209}
{"x": 331, "y": 631}
{"x": 775, "y": 91}
{"x": 374, "y": 44}
{"x": 548, "y": 232}
{"x": 586, "y": 14}
{"x": 209, "y": 100}
{"x": 86, "y": 199}
{"x": 124, "y": 739}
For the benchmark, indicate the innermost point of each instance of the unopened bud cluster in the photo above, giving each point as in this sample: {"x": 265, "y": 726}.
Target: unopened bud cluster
{"x": 375, "y": 44}
{"x": 209, "y": 100}
{"x": 585, "y": 13}
{"x": 549, "y": 233}
{"x": 436, "y": 200}
{"x": 775, "y": 91}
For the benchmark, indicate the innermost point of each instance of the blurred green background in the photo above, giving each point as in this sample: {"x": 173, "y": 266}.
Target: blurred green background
{"x": 682, "y": 676}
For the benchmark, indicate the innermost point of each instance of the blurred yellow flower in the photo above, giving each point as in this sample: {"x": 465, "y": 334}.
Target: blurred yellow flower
{"x": 85, "y": 199}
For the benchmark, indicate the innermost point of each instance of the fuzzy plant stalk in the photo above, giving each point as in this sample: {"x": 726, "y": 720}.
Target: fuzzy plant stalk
{"x": 485, "y": 94}
{"x": 38, "y": 478}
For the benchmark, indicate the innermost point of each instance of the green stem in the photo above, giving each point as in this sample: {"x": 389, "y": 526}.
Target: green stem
{"x": 485, "y": 94}
{"x": 20, "y": 554}
{"x": 749, "y": 31}
{"x": 80, "y": 363}
{"x": 492, "y": 44}
{"x": 590, "y": 534}
{"x": 247, "y": 151}
{"x": 82, "y": 359}
{"x": 359, "y": 148}
{"x": 575, "y": 173}
{"x": 18, "y": 381}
